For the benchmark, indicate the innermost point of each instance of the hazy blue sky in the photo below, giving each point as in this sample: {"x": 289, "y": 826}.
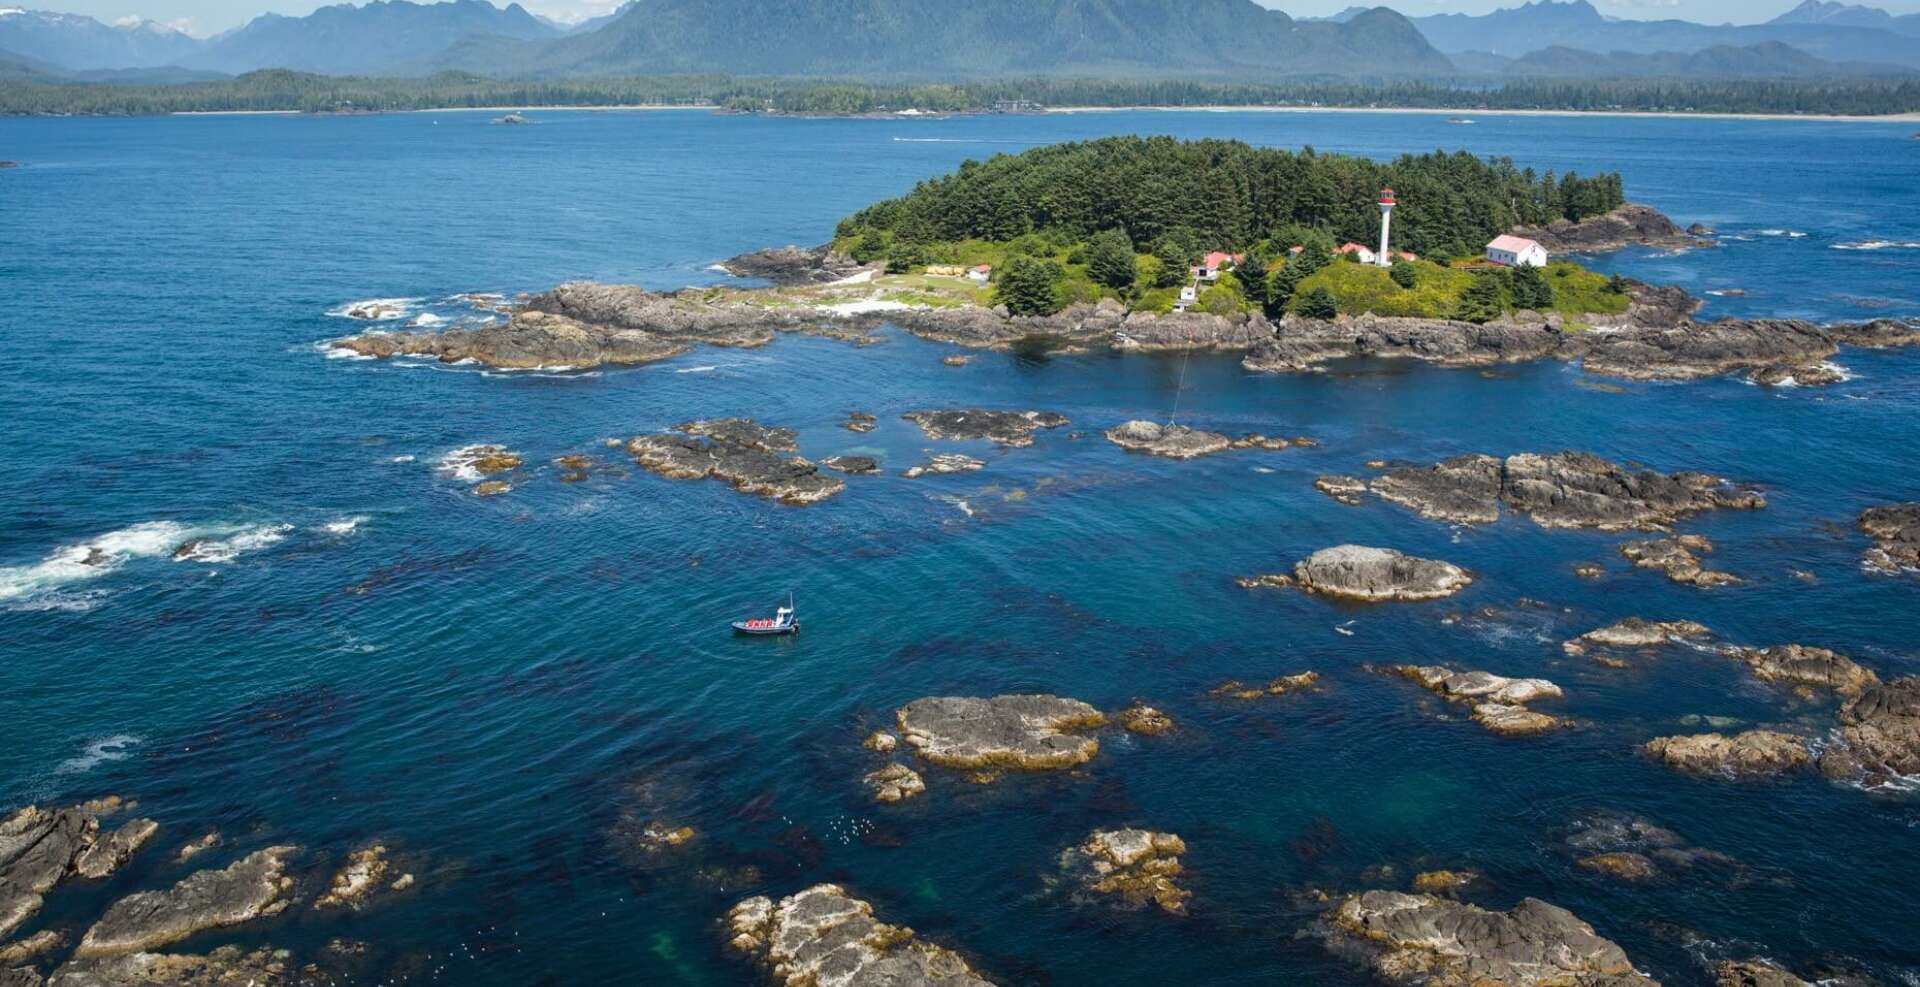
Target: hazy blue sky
{"x": 208, "y": 16}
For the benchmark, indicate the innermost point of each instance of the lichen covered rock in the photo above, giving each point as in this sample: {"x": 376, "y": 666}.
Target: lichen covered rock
{"x": 1424, "y": 939}
{"x": 1027, "y": 732}
{"x": 228, "y": 966}
{"x": 1753, "y": 754}
{"x": 824, "y": 937}
{"x": 1804, "y": 666}
{"x": 1358, "y": 572}
{"x": 1143, "y": 719}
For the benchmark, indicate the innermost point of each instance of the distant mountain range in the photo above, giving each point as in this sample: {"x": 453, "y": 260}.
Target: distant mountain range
{"x": 1220, "y": 40}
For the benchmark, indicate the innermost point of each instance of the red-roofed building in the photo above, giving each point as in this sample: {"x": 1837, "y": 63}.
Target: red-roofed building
{"x": 1362, "y": 254}
{"x": 1508, "y": 250}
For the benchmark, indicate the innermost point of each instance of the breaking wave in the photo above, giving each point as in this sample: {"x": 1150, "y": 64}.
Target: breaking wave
{"x": 35, "y": 585}
{"x": 1877, "y": 245}
{"x": 118, "y": 747}
{"x": 376, "y": 309}
{"x": 217, "y": 550}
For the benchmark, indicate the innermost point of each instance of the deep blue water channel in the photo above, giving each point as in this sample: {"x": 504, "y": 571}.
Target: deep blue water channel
{"x": 487, "y": 684}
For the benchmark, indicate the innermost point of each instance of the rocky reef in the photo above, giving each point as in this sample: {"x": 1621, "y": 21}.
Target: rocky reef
{"x": 1499, "y": 703}
{"x": 944, "y": 463}
{"x": 894, "y": 783}
{"x": 1557, "y": 490}
{"x": 1182, "y": 442}
{"x": 1023, "y": 732}
{"x": 1282, "y": 686}
{"x": 1132, "y": 867}
{"x": 1895, "y": 531}
{"x": 794, "y": 265}
{"x": 1753, "y": 754}
{"x": 1008, "y": 428}
{"x": 825, "y": 937}
{"x": 1878, "y": 740}
{"x": 1634, "y": 848}
{"x": 227, "y": 966}
{"x": 1807, "y": 669}
{"x": 1423, "y": 939}
{"x": 753, "y": 458}
{"x": 254, "y": 886}
{"x": 42, "y": 848}
{"x": 1357, "y": 572}
{"x": 365, "y": 872}
{"x": 1635, "y": 633}
{"x": 1677, "y": 559}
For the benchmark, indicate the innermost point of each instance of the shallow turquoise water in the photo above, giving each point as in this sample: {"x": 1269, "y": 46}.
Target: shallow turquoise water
{"x": 482, "y": 683}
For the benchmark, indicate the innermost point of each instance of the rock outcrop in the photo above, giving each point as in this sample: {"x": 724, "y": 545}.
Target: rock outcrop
{"x": 1878, "y": 740}
{"x": 1284, "y": 685}
{"x": 40, "y": 848}
{"x": 1805, "y": 667}
{"x": 1560, "y": 490}
{"x": 751, "y": 457}
{"x": 253, "y": 887}
{"x": 1134, "y": 868}
{"x": 852, "y": 464}
{"x": 1182, "y": 442}
{"x": 1631, "y": 224}
{"x": 1675, "y": 557}
{"x": 1499, "y": 703}
{"x": 365, "y": 872}
{"x": 1025, "y": 732}
{"x": 791, "y": 265}
{"x": 228, "y": 966}
{"x": 1895, "y": 531}
{"x": 1754, "y": 973}
{"x": 1008, "y": 428}
{"x": 1423, "y": 939}
{"x": 942, "y": 464}
{"x": 894, "y": 783}
{"x": 1637, "y": 634}
{"x": 1753, "y": 754}
{"x": 825, "y": 937}
{"x": 1357, "y": 572}
{"x": 1145, "y": 720}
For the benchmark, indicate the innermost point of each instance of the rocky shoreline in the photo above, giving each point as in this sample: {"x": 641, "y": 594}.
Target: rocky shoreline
{"x": 582, "y": 325}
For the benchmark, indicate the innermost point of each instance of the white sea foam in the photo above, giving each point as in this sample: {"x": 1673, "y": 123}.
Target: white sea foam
{"x": 1263, "y": 469}
{"x": 1791, "y": 234}
{"x": 427, "y": 319}
{"x": 1877, "y": 245}
{"x": 459, "y": 463}
{"x": 56, "y": 602}
{"x": 865, "y": 305}
{"x": 92, "y": 559}
{"x": 376, "y": 309}
{"x": 346, "y": 525}
{"x": 230, "y": 547}
{"x": 959, "y": 502}
{"x": 334, "y": 351}
{"x": 403, "y": 459}
{"x": 118, "y": 747}
{"x": 696, "y": 370}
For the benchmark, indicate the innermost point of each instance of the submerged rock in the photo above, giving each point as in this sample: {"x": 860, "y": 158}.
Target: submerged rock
{"x": 751, "y": 457}
{"x": 1561, "y": 490}
{"x": 365, "y": 871}
{"x": 1358, "y": 572}
{"x": 1284, "y": 685}
{"x": 1807, "y": 667}
{"x": 950, "y": 463}
{"x": 1445, "y": 881}
{"x": 1136, "y": 867}
{"x": 894, "y": 783}
{"x": 1676, "y": 558}
{"x": 1632, "y": 847}
{"x": 1008, "y": 428}
{"x": 860, "y": 421}
{"x": 1498, "y": 702}
{"x": 1635, "y": 632}
{"x": 1895, "y": 532}
{"x": 1753, "y": 754}
{"x": 1028, "y": 732}
{"x": 1424, "y": 939}
{"x": 824, "y": 937}
{"x": 253, "y": 887}
{"x": 1878, "y": 740}
{"x": 228, "y": 966}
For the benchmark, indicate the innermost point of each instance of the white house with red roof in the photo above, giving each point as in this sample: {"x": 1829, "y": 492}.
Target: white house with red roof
{"x": 1508, "y": 250}
{"x": 979, "y": 273}
{"x": 1359, "y": 253}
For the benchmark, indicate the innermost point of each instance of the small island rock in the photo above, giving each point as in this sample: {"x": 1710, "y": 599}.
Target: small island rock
{"x": 894, "y": 783}
{"x": 824, "y": 936}
{"x": 1028, "y": 732}
{"x": 1008, "y": 428}
{"x": 751, "y": 457}
{"x": 1137, "y": 867}
{"x": 1879, "y": 736}
{"x": 1895, "y": 532}
{"x": 1676, "y": 558}
{"x": 1359, "y": 572}
{"x": 1638, "y": 633}
{"x": 1753, "y": 754}
{"x": 1423, "y": 939}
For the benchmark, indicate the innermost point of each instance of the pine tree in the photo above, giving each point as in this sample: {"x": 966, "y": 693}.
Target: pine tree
{"x": 1026, "y": 287}
{"x": 1530, "y": 289}
{"x": 1481, "y": 302}
{"x": 1318, "y": 304}
{"x": 1110, "y": 259}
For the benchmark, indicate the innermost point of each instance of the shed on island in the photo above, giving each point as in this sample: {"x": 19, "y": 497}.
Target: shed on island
{"x": 979, "y": 273}
{"x": 1508, "y": 250}
{"x": 1357, "y": 252}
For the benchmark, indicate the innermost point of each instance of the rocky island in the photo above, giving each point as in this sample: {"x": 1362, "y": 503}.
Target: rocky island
{"x": 823, "y": 935}
{"x": 1359, "y": 572}
{"x": 752, "y": 458}
{"x": 1424, "y": 939}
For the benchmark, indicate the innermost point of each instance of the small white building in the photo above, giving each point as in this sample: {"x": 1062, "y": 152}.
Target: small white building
{"x": 1508, "y": 250}
{"x": 979, "y": 273}
{"x": 1188, "y": 295}
{"x": 1359, "y": 253}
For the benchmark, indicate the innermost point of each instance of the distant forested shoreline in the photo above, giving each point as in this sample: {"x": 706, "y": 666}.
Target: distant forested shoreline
{"x": 280, "y": 90}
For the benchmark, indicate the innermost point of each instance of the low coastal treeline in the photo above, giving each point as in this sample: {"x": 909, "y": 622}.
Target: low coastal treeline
{"x": 283, "y": 90}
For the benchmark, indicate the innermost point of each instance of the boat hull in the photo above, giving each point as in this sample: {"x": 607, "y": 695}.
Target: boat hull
{"x": 741, "y": 627}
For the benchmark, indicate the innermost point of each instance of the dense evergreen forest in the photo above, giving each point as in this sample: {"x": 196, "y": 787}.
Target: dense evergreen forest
{"x": 1227, "y": 195}
{"x": 296, "y": 91}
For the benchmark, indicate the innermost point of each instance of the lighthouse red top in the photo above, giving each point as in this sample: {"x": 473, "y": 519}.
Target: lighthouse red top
{"x": 1386, "y": 197}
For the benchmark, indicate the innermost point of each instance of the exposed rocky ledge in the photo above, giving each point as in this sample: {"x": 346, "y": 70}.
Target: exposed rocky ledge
{"x": 1638, "y": 634}
{"x": 1558, "y": 490}
{"x": 1358, "y": 572}
{"x": 1753, "y": 754}
{"x": 1499, "y": 703}
{"x": 894, "y": 783}
{"x": 1282, "y": 686}
{"x": 252, "y": 887}
{"x": 1631, "y": 224}
{"x": 1675, "y": 557}
{"x": 365, "y": 872}
{"x": 1025, "y": 732}
{"x": 1182, "y": 442}
{"x": 753, "y": 458}
{"x": 1754, "y": 973}
{"x": 1878, "y": 740}
{"x": 1423, "y": 939}
{"x": 1008, "y": 428}
{"x": 41, "y": 848}
{"x": 1895, "y": 531}
{"x": 227, "y": 966}
{"x": 1806, "y": 668}
{"x": 824, "y": 936}
{"x": 794, "y": 265}
{"x": 1132, "y": 867}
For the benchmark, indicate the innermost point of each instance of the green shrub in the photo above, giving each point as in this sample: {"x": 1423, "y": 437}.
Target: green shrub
{"x": 1318, "y": 303}
{"x": 1026, "y": 286}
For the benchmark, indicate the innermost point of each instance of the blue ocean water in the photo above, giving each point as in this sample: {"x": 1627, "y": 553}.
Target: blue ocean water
{"x": 366, "y": 651}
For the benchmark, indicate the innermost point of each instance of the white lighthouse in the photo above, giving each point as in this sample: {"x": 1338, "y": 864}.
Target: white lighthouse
{"x": 1383, "y": 258}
